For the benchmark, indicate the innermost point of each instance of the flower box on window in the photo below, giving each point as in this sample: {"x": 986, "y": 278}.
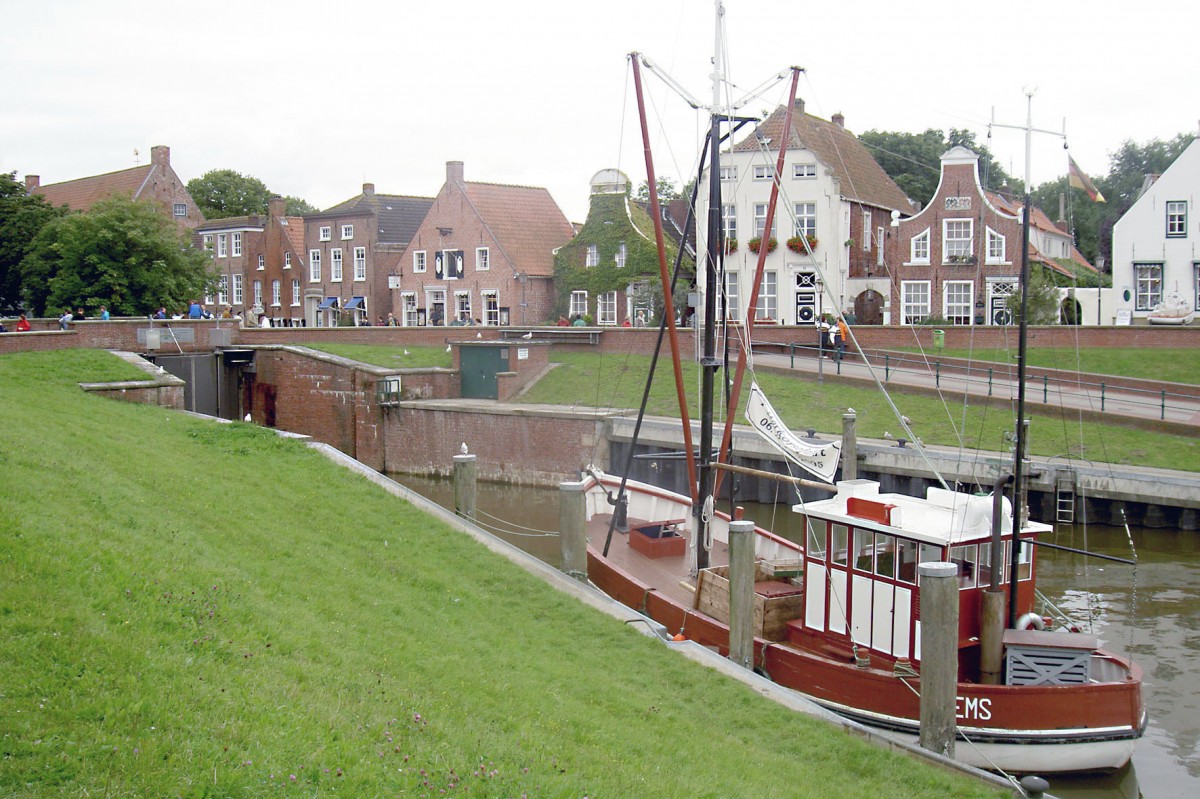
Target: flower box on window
{"x": 796, "y": 243}
{"x": 731, "y": 245}
{"x": 968, "y": 260}
{"x": 756, "y": 242}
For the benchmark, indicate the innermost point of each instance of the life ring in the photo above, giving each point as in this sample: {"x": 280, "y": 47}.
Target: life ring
{"x": 1031, "y": 620}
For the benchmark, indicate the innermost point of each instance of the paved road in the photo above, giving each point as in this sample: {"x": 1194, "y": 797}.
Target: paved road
{"x": 1116, "y": 402}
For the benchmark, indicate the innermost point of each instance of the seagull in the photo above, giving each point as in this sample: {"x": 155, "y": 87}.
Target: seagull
{"x": 851, "y": 410}
{"x": 478, "y": 335}
{"x": 888, "y": 436}
{"x": 906, "y": 420}
{"x": 247, "y": 418}
{"x": 528, "y": 335}
{"x": 406, "y": 352}
{"x": 463, "y": 448}
{"x": 449, "y": 348}
{"x": 161, "y": 370}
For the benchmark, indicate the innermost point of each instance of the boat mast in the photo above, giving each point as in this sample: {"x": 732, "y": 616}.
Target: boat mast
{"x": 708, "y": 358}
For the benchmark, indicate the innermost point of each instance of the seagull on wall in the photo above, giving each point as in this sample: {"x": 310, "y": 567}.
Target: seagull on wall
{"x": 888, "y": 436}
{"x": 906, "y": 420}
{"x": 479, "y": 335}
{"x": 528, "y": 335}
{"x": 449, "y": 348}
{"x": 463, "y": 448}
{"x": 851, "y": 410}
{"x": 247, "y": 418}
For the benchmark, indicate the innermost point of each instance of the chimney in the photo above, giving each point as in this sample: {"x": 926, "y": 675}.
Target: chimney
{"x": 799, "y": 106}
{"x": 454, "y": 171}
{"x": 369, "y": 189}
{"x": 32, "y": 183}
{"x": 276, "y": 207}
{"x": 160, "y": 155}
{"x": 838, "y": 120}
{"x": 1061, "y": 224}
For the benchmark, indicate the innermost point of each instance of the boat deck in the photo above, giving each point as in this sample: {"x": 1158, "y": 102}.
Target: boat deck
{"x": 667, "y": 575}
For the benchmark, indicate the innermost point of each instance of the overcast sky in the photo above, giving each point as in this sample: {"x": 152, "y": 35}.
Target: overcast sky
{"x": 315, "y": 98}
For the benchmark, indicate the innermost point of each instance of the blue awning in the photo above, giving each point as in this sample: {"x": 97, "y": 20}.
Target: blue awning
{"x": 355, "y": 302}
{"x": 328, "y": 302}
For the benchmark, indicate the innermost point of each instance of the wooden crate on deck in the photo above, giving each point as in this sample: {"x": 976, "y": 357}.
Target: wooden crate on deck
{"x": 776, "y": 602}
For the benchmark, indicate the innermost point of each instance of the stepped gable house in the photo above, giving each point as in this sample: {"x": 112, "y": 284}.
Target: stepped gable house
{"x": 959, "y": 259}
{"x": 259, "y": 264}
{"x": 155, "y": 181}
{"x": 353, "y": 254}
{"x": 485, "y": 251}
{"x": 833, "y": 195}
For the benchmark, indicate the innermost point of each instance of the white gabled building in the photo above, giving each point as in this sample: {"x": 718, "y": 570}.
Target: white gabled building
{"x": 833, "y": 194}
{"x": 1156, "y": 243}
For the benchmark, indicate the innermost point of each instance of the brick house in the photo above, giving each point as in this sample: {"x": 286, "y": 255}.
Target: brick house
{"x": 609, "y": 273}
{"x": 259, "y": 264}
{"x": 1154, "y": 250}
{"x": 353, "y": 253}
{"x": 833, "y": 195}
{"x": 959, "y": 259}
{"x": 484, "y": 251}
{"x": 155, "y": 181}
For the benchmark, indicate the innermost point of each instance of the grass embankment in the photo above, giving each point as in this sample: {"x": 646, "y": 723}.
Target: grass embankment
{"x": 389, "y": 357}
{"x": 617, "y": 381}
{"x": 196, "y": 609}
{"x": 1180, "y": 365}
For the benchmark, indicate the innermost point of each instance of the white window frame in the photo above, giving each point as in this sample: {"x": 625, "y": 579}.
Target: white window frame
{"x": 483, "y": 262}
{"x": 462, "y": 305}
{"x": 223, "y": 289}
{"x": 731, "y": 299}
{"x": 866, "y": 234}
{"x": 804, "y": 171}
{"x": 1196, "y": 268}
{"x": 760, "y": 221}
{"x": 179, "y": 210}
{"x": 408, "y": 308}
{"x": 879, "y": 234}
{"x": 768, "y": 297}
{"x": 919, "y": 248}
{"x": 997, "y": 247}
{"x": 915, "y": 298}
{"x": 347, "y": 232}
{"x": 257, "y": 286}
{"x": 420, "y": 262}
{"x": 262, "y": 262}
{"x": 606, "y": 308}
{"x": 957, "y": 308}
{"x": 806, "y": 219}
{"x": 237, "y": 245}
{"x": 729, "y": 220}
{"x": 208, "y": 242}
{"x": 491, "y": 307}
{"x": 295, "y": 292}
{"x": 287, "y": 260}
{"x": 222, "y": 245}
{"x": 360, "y": 263}
{"x": 578, "y": 304}
{"x": 1177, "y": 219}
{"x": 593, "y": 255}
{"x": 764, "y": 171}
{"x": 335, "y": 265}
{"x": 276, "y": 292}
{"x": 727, "y": 172}
{"x": 325, "y": 233}
{"x": 1148, "y": 277}
{"x": 962, "y": 244}
{"x": 622, "y": 255}
{"x": 238, "y": 294}
{"x": 314, "y": 266}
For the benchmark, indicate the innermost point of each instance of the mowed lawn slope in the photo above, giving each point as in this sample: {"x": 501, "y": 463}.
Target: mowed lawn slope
{"x": 196, "y": 609}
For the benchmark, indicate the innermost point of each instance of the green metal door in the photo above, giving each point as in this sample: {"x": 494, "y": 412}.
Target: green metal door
{"x": 479, "y": 367}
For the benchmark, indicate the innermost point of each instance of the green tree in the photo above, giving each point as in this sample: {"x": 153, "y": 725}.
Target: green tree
{"x": 122, "y": 253}
{"x": 1043, "y": 299}
{"x": 914, "y": 160}
{"x": 22, "y": 216}
{"x": 297, "y": 206}
{"x": 223, "y": 193}
{"x": 667, "y": 191}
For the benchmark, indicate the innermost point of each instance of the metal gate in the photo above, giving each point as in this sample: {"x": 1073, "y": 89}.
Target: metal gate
{"x": 478, "y": 367}
{"x": 201, "y": 382}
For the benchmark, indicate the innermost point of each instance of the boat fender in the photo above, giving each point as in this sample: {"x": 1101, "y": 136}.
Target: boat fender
{"x": 679, "y": 637}
{"x": 1031, "y": 620}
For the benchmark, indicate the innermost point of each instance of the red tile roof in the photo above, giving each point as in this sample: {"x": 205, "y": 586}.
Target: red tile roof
{"x": 82, "y": 193}
{"x": 862, "y": 179}
{"x": 526, "y": 222}
{"x": 1039, "y": 220}
{"x": 294, "y": 232}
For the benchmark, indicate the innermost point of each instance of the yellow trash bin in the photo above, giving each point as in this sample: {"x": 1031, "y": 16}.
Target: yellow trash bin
{"x": 939, "y": 339}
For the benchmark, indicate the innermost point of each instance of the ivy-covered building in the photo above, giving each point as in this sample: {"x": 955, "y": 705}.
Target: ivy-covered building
{"x": 609, "y": 273}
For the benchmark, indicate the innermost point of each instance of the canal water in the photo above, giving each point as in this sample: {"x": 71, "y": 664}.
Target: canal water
{"x": 1150, "y": 611}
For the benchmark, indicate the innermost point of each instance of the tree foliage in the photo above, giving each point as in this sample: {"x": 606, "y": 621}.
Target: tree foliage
{"x": 914, "y": 160}
{"x": 122, "y": 253}
{"x": 667, "y": 191}
{"x": 223, "y": 193}
{"x": 1043, "y": 300}
{"x": 297, "y": 206}
{"x": 21, "y": 217}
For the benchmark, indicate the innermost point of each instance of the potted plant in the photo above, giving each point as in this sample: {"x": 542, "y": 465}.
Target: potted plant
{"x": 756, "y": 242}
{"x": 731, "y": 245}
{"x": 796, "y": 243}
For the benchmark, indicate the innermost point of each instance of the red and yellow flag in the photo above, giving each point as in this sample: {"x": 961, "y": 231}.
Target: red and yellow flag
{"x": 1079, "y": 180}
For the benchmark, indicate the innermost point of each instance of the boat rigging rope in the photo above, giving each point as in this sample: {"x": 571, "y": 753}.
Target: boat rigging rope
{"x": 515, "y": 526}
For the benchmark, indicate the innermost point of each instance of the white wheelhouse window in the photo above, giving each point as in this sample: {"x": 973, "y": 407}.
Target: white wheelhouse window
{"x": 958, "y": 296}
{"x": 419, "y": 262}
{"x": 957, "y": 240}
{"x": 914, "y": 301}
{"x": 919, "y": 248}
{"x": 606, "y": 308}
{"x": 314, "y": 266}
{"x": 483, "y": 259}
{"x": 360, "y": 263}
{"x": 768, "y": 298}
{"x": 579, "y": 304}
{"x": 1148, "y": 288}
{"x": 335, "y": 264}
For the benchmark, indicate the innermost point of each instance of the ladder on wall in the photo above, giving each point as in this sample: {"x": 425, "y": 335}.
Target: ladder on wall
{"x": 1064, "y": 497}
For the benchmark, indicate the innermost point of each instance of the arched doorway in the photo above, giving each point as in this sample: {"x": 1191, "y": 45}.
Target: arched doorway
{"x": 868, "y": 308}
{"x": 1070, "y": 312}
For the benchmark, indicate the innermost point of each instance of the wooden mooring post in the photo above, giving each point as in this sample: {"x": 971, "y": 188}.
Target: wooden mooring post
{"x": 572, "y": 532}
{"x": 850, "y": 446}
{"x": 939, "y": 655}
{"x": 741, "y": 593}
{"x": 464, "y": 486}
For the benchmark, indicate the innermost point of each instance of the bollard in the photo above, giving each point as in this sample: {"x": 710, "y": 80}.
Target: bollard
{"x": 464, "y": 486}
{"x": 741, "y": 593}
{"x": 1034, "y": 787}
{"x": 849, "y": 446}
{"x": 939, "y": 655}
{"x": 572, "y": 529}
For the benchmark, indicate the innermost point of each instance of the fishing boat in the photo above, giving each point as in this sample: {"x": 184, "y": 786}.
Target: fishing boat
{"x": 1175, "y": 309}
{"x": 837, "y": 614}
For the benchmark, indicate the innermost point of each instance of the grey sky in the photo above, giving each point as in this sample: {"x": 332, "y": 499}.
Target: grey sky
{"x": 315, "y": 98}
